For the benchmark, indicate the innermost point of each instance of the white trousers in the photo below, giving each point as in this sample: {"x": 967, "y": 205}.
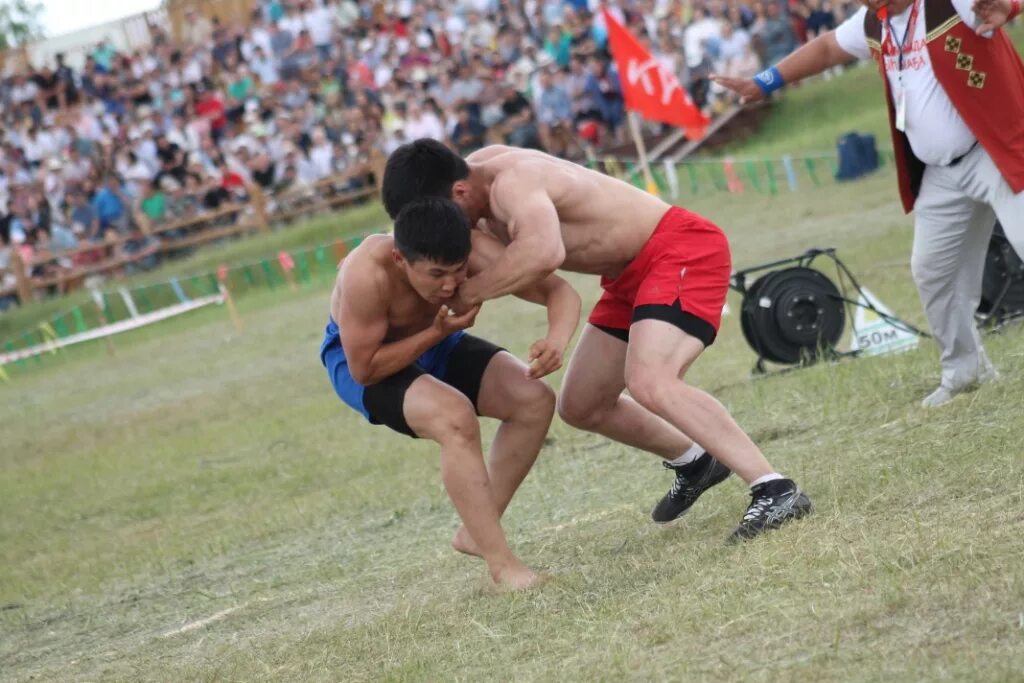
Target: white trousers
{"x": 955, "y": 212}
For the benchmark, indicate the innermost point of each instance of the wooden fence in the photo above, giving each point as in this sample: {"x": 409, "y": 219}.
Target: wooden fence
{"x": 258, "y": 214}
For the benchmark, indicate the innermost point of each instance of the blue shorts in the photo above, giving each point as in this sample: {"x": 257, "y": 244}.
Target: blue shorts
{"x": 458, "y": 360}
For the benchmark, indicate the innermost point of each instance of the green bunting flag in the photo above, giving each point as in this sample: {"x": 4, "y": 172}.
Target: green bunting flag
{"x": 718, "y": 177}
{"x": 61, "y": 327}
{"x": 772, "y": 187}
{"x": 303, "y": 265}
{"x": 691, "y": 171}
{"x": 321, "y": 261}
{"x": 659, "y": 180}
{"x": 812, "y": 172}
{"x": 79, "y": 319}
{"x": 755, "y": 180}
{"x": 247, "y": 274}
{"x": 267, "y": 273}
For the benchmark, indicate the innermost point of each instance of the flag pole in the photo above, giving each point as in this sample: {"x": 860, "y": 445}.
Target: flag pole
{"x": 641, "y": 150}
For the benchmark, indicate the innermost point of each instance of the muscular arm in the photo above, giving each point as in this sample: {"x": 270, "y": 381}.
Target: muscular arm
{"x": 360, "y": 308}
{"x": 536, "y": 249}
{"x": 554, "y": 293}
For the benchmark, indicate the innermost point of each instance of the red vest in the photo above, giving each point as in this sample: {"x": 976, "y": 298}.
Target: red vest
{"x": 983, "y": 78}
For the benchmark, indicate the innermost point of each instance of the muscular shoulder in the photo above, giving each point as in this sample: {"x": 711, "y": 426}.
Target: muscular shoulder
{"x": 487, "y": 153}
{"x": 514, "y": 183}
{"x": 364, "y": 272}
{"x": 521, "y": 168}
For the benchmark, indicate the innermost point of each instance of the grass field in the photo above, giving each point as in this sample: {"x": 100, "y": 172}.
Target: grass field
{"x": 200, "y": 507}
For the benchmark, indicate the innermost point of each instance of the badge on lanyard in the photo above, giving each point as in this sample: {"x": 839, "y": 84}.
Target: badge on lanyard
{"x": 899, "y": 91}
{"x": 900, "y": 97}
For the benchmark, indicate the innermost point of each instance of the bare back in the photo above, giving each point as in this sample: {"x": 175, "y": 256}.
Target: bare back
{"x": 370, "y": 273}
{"x": 605, "y": 222}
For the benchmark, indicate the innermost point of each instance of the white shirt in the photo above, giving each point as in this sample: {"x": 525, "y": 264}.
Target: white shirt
{"x": 88, "y": 127}
{"x": 454, "y": 26}
{"x": 696, "y": 34}
{"x": 24, "y": 92}
{"x": 293, "y": 24}
{"x": 382, "y": 74}
{"x": 193, "y": 71}
{"x": 265, "y": 69}
{"x": 935, "y": 129}
{"x": 38, "y": 149}
{"x": 146, "y": 151}
{"x": 479, "y": 35}
{"x": 426, "y": 126}
{"x": 318, "y": 21}
{"x": 258, "y": 36}
{"x": 305, "y": 169}
{"x": 734, "y": 46}
{"x": 140, "y": 171}
{"x": 322, "y": 158}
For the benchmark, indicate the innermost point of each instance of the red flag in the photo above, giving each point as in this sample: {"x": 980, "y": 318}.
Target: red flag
{"x": 648, "y": 87}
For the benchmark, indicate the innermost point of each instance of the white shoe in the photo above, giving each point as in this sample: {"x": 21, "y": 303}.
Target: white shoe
{"x": 939, "y": 397}
{"x": 989, "y": 374}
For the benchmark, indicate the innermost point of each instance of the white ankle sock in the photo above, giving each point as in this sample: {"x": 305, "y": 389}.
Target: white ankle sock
{"x": 691, "y": 454}
{"x": 768, "y": 477}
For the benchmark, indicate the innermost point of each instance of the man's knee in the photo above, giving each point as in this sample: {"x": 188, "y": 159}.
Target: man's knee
{"x": 582, "y": 410}
{"x": 532, "y": 400}
{"x": 455, "y": 422}
{"x": 924, "y": 272}
{"x": 647, "y": 385}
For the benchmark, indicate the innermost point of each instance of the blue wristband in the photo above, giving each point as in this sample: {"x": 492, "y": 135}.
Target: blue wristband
{"x": 769, "y": 80}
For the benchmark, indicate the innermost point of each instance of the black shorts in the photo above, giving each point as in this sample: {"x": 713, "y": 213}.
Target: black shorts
{"x": 385, "y": 401}
{"x": 670, "y": 313}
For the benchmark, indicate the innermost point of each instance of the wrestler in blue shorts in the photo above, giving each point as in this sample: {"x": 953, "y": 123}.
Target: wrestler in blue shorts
{"x": 396, "y": 354}
{"x": 459, "y": 361}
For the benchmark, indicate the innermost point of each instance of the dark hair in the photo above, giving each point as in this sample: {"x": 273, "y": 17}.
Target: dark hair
{"x": 422, "y": 168}
{"x": 434, "y": 229}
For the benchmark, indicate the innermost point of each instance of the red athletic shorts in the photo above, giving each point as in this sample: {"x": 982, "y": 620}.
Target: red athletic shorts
{"x": 680, "y": 276}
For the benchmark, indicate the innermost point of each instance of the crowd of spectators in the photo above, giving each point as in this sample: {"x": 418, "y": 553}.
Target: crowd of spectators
{"x": 304, "y": 89}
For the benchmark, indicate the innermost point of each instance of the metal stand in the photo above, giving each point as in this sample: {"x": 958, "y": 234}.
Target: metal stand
{"x": 821, "y": 349}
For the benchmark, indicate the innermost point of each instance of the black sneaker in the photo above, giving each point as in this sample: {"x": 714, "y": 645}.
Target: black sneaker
{"x": 772, "y": 504}
{"x": 692, "y": 479}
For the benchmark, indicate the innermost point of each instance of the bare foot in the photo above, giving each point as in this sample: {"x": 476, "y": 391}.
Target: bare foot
{"x": 464, "y": 543}
{"x": 517, "y": 577}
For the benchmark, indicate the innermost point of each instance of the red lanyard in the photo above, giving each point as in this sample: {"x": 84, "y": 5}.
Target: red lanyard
{"x": 890, "y": 36}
